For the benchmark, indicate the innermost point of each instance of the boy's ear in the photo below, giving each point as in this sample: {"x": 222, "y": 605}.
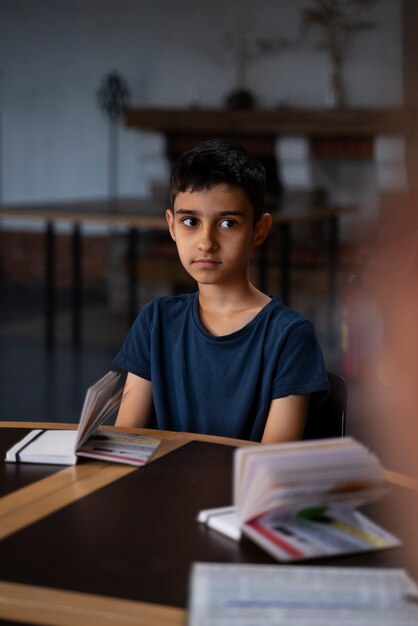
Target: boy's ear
{"x": 169, "y": 216}
{"x": 262, "y": 229}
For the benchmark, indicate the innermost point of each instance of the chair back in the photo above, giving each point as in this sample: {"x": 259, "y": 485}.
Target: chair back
{"x": 327, "y": 419}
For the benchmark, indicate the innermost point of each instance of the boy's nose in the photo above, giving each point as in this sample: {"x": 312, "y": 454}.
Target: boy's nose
{"x": 207, "y": 240}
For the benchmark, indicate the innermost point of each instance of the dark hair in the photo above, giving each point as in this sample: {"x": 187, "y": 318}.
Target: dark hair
{"x": 219, "y": 162}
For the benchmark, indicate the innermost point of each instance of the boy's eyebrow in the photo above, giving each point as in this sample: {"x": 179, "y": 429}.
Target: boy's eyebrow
{"x": 219, "y": 213}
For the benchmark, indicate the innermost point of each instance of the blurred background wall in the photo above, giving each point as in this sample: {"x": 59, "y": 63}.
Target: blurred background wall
{"x": 54, "y": 53}
{"x": 180, "y": 54}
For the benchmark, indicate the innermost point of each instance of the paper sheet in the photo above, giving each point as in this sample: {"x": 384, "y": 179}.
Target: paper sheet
{"x": 274, "y": 595}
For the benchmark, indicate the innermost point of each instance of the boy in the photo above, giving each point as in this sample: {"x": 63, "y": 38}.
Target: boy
{"x": 227, "y": 360}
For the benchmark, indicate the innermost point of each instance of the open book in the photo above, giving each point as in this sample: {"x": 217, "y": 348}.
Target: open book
{"x": 299, "y": 500}
{"x": 63, "y": 447}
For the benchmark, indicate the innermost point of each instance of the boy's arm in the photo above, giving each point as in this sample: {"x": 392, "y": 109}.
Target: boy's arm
{"x": 286, "y": 419}
{"x": 136, "y": 405}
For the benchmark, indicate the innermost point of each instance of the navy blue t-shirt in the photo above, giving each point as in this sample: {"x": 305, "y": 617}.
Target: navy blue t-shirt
{"x": 223, "y": 385}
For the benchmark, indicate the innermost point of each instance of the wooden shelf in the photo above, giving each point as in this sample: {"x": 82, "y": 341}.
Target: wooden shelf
{"x": 272, "y": 122}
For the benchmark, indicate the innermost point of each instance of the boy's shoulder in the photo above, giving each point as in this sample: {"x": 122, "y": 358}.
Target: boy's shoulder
{"x": 284, "y": 316}
{"x": 166, "y": 304}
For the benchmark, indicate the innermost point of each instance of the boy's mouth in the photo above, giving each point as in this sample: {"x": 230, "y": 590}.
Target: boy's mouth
{"x": 206, "y": 262}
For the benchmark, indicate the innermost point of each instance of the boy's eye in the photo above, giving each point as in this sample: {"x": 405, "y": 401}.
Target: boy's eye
{"x": 227, "y": 223}
{"x": 189, "y": 221}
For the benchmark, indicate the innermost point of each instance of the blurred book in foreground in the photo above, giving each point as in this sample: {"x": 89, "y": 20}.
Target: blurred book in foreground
{"x": 299, "y": 500}
{"x": 279, "y": 595}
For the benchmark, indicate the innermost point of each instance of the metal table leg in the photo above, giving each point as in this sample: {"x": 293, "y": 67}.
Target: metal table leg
{"x": 133, "y": 271}
{"x": 262, "y": 267}
{"x": 285, "y": 246}
{"x": 49, "y": 286}
{"x": 77, "y": 286}
{"x": 332, "y": 276}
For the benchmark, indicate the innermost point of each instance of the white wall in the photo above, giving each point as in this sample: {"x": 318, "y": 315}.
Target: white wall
{"x": 54, "y": 53}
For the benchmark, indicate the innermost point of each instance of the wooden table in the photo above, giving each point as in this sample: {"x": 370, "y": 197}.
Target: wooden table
{"x": 108, "y": 544}
{"x": 141, "y": 215}
{"x": 33, "y": 495}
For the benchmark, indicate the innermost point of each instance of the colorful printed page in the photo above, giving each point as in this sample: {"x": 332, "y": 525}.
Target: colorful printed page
{"x": 317, "y": 532}
{"x": 108, "y": 445}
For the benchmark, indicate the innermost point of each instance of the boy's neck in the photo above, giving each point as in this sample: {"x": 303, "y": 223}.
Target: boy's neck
{"x": 225, "y": 310}
{"x": 231, "y": 298}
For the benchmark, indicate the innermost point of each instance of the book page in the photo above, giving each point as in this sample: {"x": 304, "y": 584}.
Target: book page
{"x": 282, "y": 453}
{"x": 317, "y": 532}
{"x": 288, "y": 499}
{"x": 270, "y": 595}
{"x": 98, "y": 404}
{"x": 285, "y": 475}
{"x": 107, "y": 445}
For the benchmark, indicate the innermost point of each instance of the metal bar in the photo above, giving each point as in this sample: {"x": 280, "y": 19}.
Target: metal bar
{"x": 49, "y": 286}
{"x": 333, "y": 246}
{"x": 285, "y": 247}
{"x": 77, "y": 286}
{"x": 262, "y": 266}
{"x": 133, "y": 271}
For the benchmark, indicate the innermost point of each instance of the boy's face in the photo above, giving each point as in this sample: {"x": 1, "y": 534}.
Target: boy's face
{"x": 215, "y": 233}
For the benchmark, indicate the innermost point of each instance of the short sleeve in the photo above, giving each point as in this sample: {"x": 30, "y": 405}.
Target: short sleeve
{"x": 300, "y": 366}
{"x": 135, "y": 354}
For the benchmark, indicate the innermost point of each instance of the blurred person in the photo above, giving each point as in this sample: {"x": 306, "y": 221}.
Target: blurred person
{"x": 390, "y": 286}
{"x": 386, "y": 411}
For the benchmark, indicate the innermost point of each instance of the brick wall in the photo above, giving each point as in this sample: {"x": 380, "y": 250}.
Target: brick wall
{"x": 22, "y": 258}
